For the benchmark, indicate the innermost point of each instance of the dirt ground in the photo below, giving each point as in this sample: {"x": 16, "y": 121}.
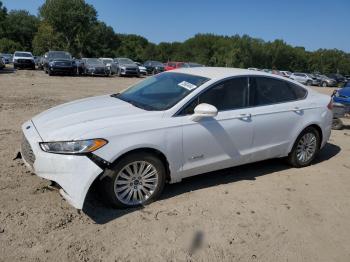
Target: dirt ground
{"x": 260, "y": 212}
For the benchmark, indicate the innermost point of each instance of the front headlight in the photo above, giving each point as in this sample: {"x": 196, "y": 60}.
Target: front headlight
{"x": 73, "y": 147}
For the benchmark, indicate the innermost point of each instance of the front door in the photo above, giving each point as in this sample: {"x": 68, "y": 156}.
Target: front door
{"x": 220, "y": 142}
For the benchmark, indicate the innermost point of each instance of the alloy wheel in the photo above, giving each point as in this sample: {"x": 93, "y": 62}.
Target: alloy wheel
{"x": 136, "y": 182}
{"x": 306, "y": 147}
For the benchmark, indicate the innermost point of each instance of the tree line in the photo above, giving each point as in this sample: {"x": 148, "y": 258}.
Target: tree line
{"x": 72, "y": 25}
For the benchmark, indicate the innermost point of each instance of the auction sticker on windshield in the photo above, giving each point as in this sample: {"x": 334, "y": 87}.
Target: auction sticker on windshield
{"x": 187, "y": 85}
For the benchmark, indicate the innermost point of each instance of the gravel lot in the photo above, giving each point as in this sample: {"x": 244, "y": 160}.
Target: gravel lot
{"x": 260, "y": 212}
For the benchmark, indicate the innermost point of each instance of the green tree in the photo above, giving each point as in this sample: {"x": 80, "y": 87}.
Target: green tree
{"x": 101, "y": 41}
{"x": 9, "y": 46}
{"x": 72, "y": 20}
{"x": 20, "y": 26}
{"x": 46, "y": 39}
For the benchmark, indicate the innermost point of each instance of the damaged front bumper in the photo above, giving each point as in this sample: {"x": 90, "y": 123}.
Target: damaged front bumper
{"x": 73, "y": 173}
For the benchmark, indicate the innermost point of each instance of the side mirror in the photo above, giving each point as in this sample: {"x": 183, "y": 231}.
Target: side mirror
{"x": 202, "y": 111}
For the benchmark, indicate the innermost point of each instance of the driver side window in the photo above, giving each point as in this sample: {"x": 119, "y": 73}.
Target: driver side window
{"x": 227, "y": 95}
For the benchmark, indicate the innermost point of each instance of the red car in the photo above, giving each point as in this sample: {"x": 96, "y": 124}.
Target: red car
{"x": 173, "y": 65}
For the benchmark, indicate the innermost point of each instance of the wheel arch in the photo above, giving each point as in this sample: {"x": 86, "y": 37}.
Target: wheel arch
{"x": 150, "y": 150}
{"x": 313, "y": 125}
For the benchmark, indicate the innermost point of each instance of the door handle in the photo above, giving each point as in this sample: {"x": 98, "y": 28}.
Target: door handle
{"x": 245, "y": 116}
{"x": 297, "y": 109}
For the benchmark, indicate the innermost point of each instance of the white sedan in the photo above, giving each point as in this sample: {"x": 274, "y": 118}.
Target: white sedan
{"x": 171, "y": 126}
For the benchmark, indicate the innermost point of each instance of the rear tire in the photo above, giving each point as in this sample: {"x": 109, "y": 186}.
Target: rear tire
{"x": 308, "y": 83}
{"x": 305, "y": 148}
{"x": 337, "y": 124}
{"x": 126, "y": 178}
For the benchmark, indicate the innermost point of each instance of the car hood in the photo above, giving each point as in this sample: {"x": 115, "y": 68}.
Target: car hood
{"x": 129, "y": 65}
{"x": 59, "y": 60}
{"x": 344, "y": 91}
{"x": 80, "y": 119}
{"x": 24, "y": 57}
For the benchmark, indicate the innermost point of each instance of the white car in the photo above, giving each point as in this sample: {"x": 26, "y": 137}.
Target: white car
{"x": 23, "y": 59}
{"x": 302, "y": 78}
{"x": 286, "y": 73}
{"x": 171, "y": 126}
{"x": 110, "y": 65}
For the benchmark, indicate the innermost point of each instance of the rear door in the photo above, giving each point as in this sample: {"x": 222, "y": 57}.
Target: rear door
{"x": 277, "y": 113}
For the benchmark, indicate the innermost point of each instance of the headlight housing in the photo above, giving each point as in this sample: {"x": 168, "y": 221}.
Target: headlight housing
{"x": 73, "y": 147}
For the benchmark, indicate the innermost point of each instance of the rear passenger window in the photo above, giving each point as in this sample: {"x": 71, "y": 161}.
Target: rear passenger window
{"x": 266, "y": 91}
{"x": 298, "y": 91}
{"x": 227, "y": 95}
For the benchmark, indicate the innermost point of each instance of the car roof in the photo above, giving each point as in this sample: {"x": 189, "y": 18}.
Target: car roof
{"x": 221, "y": 72}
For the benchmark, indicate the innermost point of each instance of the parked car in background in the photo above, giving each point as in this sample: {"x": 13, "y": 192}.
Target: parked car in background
{"x": 126, "y": 67}
{"x": 325, "y": 81}
{"x": 79, "y": 64}
{"x": 95, "y": 67}
{"x": 8, "y": 58}
{"x": 172, "y": 126}
{"x": 276, "y": 72}
{"x": 59, "y": 62}
{"x": 2, "y": 62}
{"x": 286, "y": 73}
{"x": 37, "y": 60}
{"x": 191, "y": 64}
{"x": 253, "y": 68}
{"x": 338, "y": 77}
{"x": 342, "y": 96}
{"x": 41, "y": 63}
{"x": 302, "y": 78}
{"x": 143, "y": 70}
{"x": 173, "y": 65}
{"x": 23, "y": 59}
{"x": 112, "y": 67}
{"x": 315, "y": 80}
{"x": 154, "y": 67}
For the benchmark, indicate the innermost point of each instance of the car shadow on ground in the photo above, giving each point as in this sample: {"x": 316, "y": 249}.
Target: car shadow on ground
{"x": 7, "y": 70}
{"x": 101, "y": 213}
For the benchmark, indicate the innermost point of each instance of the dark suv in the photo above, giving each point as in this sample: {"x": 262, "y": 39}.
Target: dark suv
{"x": 59, "y": 62}
{"x": 154, "y": 67}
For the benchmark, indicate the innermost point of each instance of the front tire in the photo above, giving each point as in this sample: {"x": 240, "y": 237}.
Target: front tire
{"x": 305, "y": 148}
{"x": 137, "y": 179}
{"x": 324, "y": 84}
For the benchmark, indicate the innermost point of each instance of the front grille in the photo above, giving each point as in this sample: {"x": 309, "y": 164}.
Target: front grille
{"x": 131, "y": 69}
{"x": 24, "y": 61}
{"x": 27, "y": 152}
{"x": 99, "y": 70}
{"x": 63, "y": 64}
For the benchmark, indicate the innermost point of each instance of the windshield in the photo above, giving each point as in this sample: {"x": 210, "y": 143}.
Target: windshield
{"x": 107, "y": 60}
{"x": 60, "y": 55}
{"x": 94, "y": 61}
{"x": 155, "y": 63}
{"x": 162, "y": 91}
{"x": 125, "y": 61}
{"x": 21, "y": 54}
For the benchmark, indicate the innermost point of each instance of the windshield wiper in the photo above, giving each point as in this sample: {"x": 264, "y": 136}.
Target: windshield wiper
{"x": 134, "y": 103}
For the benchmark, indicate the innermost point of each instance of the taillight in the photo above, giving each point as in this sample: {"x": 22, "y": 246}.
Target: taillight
{"x": 330, "y": 105}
